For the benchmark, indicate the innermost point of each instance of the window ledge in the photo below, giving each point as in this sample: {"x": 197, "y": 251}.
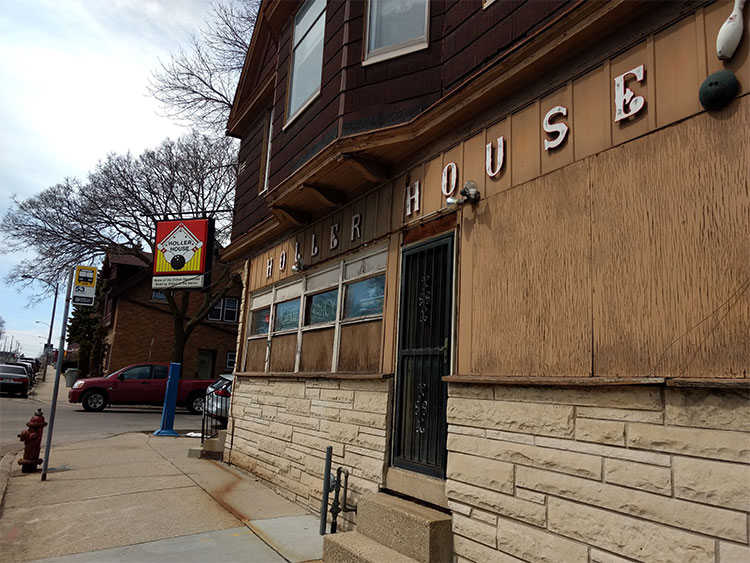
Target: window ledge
{"x": 314, "y": 375}
{"x": 300, "y": 110}
{"x": 393, "y": 53}
{"x": 553, "y": 381}
{"x": 602, "y": 381}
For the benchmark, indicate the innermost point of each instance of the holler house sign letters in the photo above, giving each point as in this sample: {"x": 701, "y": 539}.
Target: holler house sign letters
{"x": 627, "y": 106}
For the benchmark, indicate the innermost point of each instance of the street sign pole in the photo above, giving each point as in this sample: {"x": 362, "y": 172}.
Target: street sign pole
{"x": 60, "y": 348}
{"x": 170, "y": 402}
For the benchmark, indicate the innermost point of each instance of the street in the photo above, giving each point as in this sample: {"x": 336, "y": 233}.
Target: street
{"x": 73, "y": 424}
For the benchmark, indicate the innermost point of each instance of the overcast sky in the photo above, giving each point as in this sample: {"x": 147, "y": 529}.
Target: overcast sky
{"x": 73, "y": 87}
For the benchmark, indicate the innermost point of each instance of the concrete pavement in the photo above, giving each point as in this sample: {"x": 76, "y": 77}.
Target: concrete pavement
{"x": 137, "y": 497}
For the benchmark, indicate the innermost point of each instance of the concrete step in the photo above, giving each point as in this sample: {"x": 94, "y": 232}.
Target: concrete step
{"x": 353, "y": 547}
{"x": 418, "y": 532}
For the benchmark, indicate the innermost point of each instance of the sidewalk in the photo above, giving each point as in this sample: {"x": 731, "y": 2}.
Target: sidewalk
{"x": 137, "y": 497}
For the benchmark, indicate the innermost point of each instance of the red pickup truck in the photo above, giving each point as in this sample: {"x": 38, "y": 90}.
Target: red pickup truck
{"x": 138, "y": 384}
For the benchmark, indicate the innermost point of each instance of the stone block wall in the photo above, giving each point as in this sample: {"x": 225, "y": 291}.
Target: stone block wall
{"x": 280, "y": 427}
{"x": 605, "y": 474}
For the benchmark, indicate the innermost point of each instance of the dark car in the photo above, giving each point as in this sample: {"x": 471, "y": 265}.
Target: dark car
{"x": 14, "y": 379}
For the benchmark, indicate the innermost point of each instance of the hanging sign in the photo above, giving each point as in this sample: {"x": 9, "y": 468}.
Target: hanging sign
{"x": 84, "y": 286}
{"x": 181, "y": 251}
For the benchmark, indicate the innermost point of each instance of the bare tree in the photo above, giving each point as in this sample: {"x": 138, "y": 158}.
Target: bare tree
{"x": 198, "y": 83}
{"x": 115, "y": 211}
{"x": 2, "y": 327}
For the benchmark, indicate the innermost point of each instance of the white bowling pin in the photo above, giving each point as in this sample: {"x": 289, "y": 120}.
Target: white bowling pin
{"x": 730, "y": 32}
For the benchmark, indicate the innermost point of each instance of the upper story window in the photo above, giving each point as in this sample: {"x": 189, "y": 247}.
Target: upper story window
{"x": 395, "y": 27}
{"x": 307, "y": 55}
{"x": 225, "y": 310}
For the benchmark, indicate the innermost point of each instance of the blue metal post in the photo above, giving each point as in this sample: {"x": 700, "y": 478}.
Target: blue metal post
{"x": 170, "y": 402}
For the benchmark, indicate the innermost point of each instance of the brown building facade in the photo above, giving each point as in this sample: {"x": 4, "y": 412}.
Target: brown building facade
{"x": 561, "y": 364}
{"x": 140, "y": 325}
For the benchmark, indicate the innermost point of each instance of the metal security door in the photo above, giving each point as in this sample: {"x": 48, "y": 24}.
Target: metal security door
{"x": 424, "y": 357}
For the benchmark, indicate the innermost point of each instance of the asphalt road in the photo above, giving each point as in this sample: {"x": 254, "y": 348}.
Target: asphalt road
{"x": 73, "y": 424}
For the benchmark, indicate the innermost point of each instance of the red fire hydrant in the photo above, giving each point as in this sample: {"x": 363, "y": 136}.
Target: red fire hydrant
{"x": 32, "y": 439}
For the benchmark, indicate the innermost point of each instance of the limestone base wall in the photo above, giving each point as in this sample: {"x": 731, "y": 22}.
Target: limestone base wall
{"x": 606, "y": 475}
{"x": 279, "y": 429}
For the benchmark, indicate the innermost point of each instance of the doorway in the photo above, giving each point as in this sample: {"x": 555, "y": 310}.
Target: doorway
{"x": 424, "y": 355}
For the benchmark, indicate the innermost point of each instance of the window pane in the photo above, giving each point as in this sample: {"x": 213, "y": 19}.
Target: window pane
{"x": 321, "y": 308}
{"x": 260, "y": 320}
{"x": 215, "y": 313}
{"x": 364, "y": 297}
{"x": 231, "y": 358}
{"x": 287, "y": 315}
{"x": 157, "y": 295}
{"x": 140, "y": 372}
{"x": 305, "y": 17}
{"x": 393, "y": 22}
{"x": 230, "y": 309}
{"x": 306, "y": 66}
{"x": 160, "y": 372}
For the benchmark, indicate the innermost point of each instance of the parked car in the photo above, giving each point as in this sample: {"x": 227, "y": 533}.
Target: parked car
{"x": 14, "y": 379}
{"x": 137, "y": 384}
{"x": 218, "y": 395}
{"x": 28, "y": 366}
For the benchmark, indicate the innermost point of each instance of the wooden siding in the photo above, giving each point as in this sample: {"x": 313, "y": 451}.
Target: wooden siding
{"x": 249, "y": 205}
{"x": 472, "y": 36}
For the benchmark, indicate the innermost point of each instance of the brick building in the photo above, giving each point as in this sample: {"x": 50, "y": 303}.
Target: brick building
{"x": 495, "y": 254}
{"x": 140, "y": 326}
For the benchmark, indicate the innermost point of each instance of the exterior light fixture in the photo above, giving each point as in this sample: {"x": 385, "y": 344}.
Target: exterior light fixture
{"x": 469, "y": 194}
{"x": 298, "y": 265}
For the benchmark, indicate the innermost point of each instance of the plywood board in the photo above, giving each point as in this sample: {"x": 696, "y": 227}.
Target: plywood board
{"x": 432, "y": 197}
{"x": 256, "y": 354}
{"x": 531, "y": 283}
{"x": 283, "y": 352}
{"x": 671, "y": 236}
{"x": 360, "y": 347}
{"x": 676, "y": 72}
{"x": 502, "y": 180}
{"x": 317, "y": 350}
{"x": 390, "y": 304}
{"x": 591, "y": 128}
{"x": 526, "y": 139}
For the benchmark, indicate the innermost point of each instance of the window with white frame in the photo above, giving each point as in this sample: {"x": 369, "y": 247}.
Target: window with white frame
{"x": 315, "y": 311}
{"x": 231, "y": 357}
{"x": 307, "y": 55}
{"x": 396, "y": 27}
{"x": 225, "y": 310}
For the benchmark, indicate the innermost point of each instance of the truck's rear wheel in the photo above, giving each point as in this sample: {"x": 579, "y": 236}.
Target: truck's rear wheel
{"x": 195, "y": 403}
{"x": 94, "y": 401}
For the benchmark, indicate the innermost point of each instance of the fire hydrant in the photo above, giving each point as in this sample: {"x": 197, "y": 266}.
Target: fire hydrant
{"x": 32, "y": 439}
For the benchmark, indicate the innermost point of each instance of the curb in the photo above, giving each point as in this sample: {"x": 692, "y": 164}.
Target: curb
{"x": 5, "y": 466}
